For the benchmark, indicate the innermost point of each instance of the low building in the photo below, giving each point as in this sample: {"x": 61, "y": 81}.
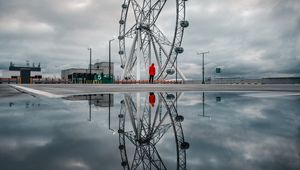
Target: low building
{"x": 281, "y": 80}
{"x": 99, "y": 72}
{"x": 234, "y": 81}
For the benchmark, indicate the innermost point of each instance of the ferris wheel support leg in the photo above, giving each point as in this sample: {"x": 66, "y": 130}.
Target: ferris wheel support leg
{"x": 129, "y": 58}
{"x": 132, "y": 112}
{"x": 139, "y": 55}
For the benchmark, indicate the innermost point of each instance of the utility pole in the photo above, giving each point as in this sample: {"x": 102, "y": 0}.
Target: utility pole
{"x": 203, "y": 82}
{"x": 90, "y": 76}
{"x": 109, "y": 59}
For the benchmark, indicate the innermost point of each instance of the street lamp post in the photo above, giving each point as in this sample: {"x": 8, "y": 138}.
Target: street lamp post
{"x": 90, "y": 76}
{"x": 109, "y": 58}
{"x": 203, "y": 82}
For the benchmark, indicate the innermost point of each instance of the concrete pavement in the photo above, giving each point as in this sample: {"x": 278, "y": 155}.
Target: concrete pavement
{"x": 58, "y": 90}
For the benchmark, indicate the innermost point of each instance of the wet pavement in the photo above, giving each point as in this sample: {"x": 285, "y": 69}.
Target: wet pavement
{"x": 161, "y": 130}
{"x": 6, "y": 91}
{"x": 56, "y": 90}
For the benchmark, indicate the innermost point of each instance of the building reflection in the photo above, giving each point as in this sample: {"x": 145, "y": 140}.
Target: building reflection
{"x": 143, "y": 122}
{"x": 27, "y": 104}
{"x": 98, "y": 100}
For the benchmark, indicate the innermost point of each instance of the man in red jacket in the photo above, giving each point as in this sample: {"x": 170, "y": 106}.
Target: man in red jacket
{"x": 151, "y": 73}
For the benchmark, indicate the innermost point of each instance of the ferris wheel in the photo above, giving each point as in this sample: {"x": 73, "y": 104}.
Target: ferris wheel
{"x": 142, "y": 41}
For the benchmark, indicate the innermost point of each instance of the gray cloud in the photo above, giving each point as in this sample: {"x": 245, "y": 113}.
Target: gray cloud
{"x": 247, "y": 38}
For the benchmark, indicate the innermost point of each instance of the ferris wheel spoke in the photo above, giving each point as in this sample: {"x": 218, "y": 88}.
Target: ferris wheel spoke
{"x": 154, "y": 130}
{"x": 165, "y": 54}
{"x": 156, "y": 32}
{"x": 154, "y": 157}
{"x": 161, "y": 131}
{"x": 136, "y": 158}
{"x": 137, "y": 10}
{"x": 169, "y": 61}
{"x": 158, "y": 61}
{"x": 130, "y": 137}
{"x": 144, "y": 128}
{"x": 146, "y": 50}
{"x": 161, "y": 46}
{"x": 131, "y": 32}
{"x": 157, "y": 112}
{"x": 155, "y": 10}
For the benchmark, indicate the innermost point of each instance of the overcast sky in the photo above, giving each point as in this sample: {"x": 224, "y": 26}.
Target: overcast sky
{"x": 249, "y": 38}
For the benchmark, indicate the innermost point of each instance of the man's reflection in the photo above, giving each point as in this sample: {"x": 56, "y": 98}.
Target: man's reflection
{"x": 152, "y": 99}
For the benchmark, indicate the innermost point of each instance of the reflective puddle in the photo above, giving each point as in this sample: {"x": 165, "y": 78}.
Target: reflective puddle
{"x": 191, "y": 130}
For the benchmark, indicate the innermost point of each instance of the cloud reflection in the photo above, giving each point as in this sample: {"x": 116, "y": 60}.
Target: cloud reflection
{"x": 244, "y": 132}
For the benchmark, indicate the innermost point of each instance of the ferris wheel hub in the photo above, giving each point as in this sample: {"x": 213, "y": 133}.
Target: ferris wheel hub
{"x": 144, "y": 26}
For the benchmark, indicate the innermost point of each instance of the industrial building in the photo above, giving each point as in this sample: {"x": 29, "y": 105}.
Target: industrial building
{"x": 99, "y": 74}
{"x": 25, "y": 72}
{"x": 20, "y": 74}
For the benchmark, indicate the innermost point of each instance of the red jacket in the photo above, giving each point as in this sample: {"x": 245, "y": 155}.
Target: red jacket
{"x": 152, "y": 70}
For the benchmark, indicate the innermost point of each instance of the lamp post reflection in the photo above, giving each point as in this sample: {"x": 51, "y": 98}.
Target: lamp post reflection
{"x": 203, "y": 106}
{"x": 90, "y": 108}
{"x": 109, "y": 114}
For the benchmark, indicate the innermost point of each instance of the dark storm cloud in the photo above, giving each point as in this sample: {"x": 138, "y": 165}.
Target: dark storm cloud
{"x": 246, "y": 38}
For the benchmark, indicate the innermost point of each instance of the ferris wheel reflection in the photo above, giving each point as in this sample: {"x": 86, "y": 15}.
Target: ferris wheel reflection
{"x": 142, "y": 124}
